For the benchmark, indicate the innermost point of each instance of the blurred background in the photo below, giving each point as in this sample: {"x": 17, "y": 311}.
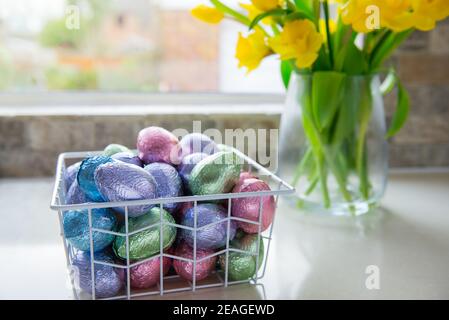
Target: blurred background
{"x": 136, "y": 63}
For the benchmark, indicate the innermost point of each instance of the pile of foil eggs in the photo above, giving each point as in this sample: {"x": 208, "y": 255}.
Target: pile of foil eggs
{"x": 163, "y": 167}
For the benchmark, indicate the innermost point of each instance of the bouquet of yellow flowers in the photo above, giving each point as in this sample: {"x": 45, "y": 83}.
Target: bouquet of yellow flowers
{"x": 331, "y": 41}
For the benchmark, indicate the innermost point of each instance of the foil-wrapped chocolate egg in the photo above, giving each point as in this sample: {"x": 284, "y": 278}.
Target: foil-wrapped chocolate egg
{"x": 182, "y": 210}
{"x": 185, "y": 269}
{"x": 168, "y": 182}
{"x": 156, "y": 144}
{"x": 108, "y": 280}
{"x": 114, "y": 148}
{"x": 218, "y": 173}
{"x": 187, "y": 164}
{"x": 75, "y": 195}
{"x": 145, "y": 244}
{"x": 242, "y": 266}
{"x": 147, "y": 274}
{"x": 86, "y": 179}
{"x": 213, "y": 235}
{"x": 120, "y": 181}
{"x": 248, "y": 208}
{"x": 128, "y": 157}
{"x": 197, "y": 143}
{"x": 70, "y": 174}
{"x": 76, "y": 228}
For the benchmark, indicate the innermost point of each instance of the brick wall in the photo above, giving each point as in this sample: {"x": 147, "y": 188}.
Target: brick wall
{"x": 423, "y": 65}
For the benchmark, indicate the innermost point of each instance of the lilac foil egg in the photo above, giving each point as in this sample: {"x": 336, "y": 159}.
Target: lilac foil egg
{"x": 128, "y": 157}
{"x": 209, "y": 237}
{"x": 156, "y": 144}
{"x": 86, "y": 179}
{"x": 248, "y": 208}
{"x": 120, "y": 181}
{"x": 147, "y": 274}
{"x": 197, "y": 143}
{"x": 108, "y": 280}
{"x": 185, "y": 269}
{"x": 187, "y": 164}
{"x": 168, "y": 182}
{"x": 76, "y": 195}
{"x": 76, "y": 228}
{"x": 70, "y": 174}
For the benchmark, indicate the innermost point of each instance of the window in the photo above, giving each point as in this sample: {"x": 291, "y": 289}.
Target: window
{"x": 121, "y": 46}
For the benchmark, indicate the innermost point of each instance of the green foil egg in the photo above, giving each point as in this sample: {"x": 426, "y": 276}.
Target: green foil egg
{"x": 242, "y": 266}
{"x": 114, "y": 148}
{"x": 218, "y": 173}
{"x": 145, "y": 244}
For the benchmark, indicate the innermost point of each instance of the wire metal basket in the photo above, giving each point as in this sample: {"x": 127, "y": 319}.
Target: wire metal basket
{"x": 169, "y": 283}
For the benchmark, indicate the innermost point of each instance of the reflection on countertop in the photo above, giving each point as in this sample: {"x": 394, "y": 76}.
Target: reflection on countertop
{"x": 311, "y": 257}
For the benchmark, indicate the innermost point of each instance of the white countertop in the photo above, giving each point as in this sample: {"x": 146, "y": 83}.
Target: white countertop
{"x": 310, "y": 257}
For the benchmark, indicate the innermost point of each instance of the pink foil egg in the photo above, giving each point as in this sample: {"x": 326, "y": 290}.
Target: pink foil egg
{"x": 147, "y": 274}
{"x": 248, "y": 208}
{"x": 156, "y": 144}
{"x": 185, "y": 269}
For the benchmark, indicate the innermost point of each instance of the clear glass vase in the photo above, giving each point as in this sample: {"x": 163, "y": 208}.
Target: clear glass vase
{"x": 333, "y": 146}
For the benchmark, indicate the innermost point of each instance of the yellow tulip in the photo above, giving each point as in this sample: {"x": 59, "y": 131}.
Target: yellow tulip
{"x": 298, "y": 40}
{"x": 254, "y": 12}
{"x": 427, "y": 12}
{"x": 207, "y": 14}
{"x": 251, "y": 50}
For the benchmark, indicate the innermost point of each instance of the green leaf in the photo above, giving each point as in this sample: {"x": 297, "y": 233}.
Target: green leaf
{"x": 305, "y": 7}
{"x": 401, "y": 113}
{"x": 386, "y": 47}
{"x": 326, "y": 96}
{"x": 257, "y": 19}
{"x": 351, "y": 60}
{"x": 286, "y": 72}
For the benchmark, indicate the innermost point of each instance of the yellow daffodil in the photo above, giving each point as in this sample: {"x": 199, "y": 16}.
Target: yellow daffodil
{"x": 427, "y": 12}
{"x": 251, "y": 50}
{"x": 266, "y": 5}
{"x": 298, "y": 40}
{"x": 254, "y": 12}
{"x": 332, "y": 27}
{"x": 207, "y": 14}
{"x": 393, "y": 14}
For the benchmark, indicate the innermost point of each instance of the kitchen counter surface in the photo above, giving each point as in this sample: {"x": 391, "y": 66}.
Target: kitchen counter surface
{"x": 406, "y": 241}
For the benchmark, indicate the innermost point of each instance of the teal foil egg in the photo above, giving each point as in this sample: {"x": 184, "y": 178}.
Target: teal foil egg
{"x": 86, "y": 179}
{"x": 145, "y": 244}
{"x": 114, "y": 148}
{"x": 242, "y": 266}
{"x": 218, "y": 173}
{"x": 76, "y": 228}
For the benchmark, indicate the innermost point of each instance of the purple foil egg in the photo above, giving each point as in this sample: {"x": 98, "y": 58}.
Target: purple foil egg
{"x": 120, "y": 181}
{"x": 197, "y": 143}
{"x": 156, "y": 144}
{"x": 76, "y": 195}
{"x": 128, "y": 157}
{"x": 209, "y": 237}
{"x": 168, "y": 182}
{"x": 147, "y": 274}
{"x": 108, "y": 280}
{"x": 70, "y": 174}
{"x": 187, "y": 164}
{"x": 185, "y": 269}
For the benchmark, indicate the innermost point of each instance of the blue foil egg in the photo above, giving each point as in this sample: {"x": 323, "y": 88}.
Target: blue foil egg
{"x": 86, "y": 179}
{"x": 120, "y": 181}
{"x": 76, "y": 195}
{"x": 107, "y": 279}
{"x": 196, "y": 143}
{"x": 209, "y": 237}
{"x": 76, "y": 228}
{"x": 187, "y": 164}
{"x": 128, "y": 157}
{"x": 168, "y": 182}
{"x": 70, "y": 174}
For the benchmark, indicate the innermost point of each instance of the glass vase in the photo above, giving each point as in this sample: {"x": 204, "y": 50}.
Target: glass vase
{"x": 333, "y": 146}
